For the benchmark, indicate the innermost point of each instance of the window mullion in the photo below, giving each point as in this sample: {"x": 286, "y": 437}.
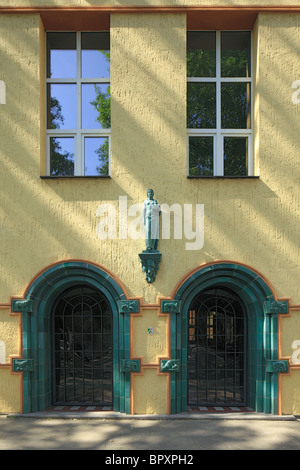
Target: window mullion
{"x": 250, "y": 157}
{"x": 48, "y": 154}
{"x": 78, "y": 156}
{"x": 218, "y": 164}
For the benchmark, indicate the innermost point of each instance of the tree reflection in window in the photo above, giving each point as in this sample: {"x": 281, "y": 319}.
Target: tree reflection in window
{"x": 61, "y": 160}
{"x": 219, "y": 103}
{"x": 78, "y": 116}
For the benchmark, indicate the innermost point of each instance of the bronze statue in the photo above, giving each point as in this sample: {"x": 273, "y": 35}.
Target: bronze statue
{"x": 151, "y": 215}
{"x": 150, "y": 258}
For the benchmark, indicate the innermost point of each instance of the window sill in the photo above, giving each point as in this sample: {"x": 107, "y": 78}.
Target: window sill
{"x": 73, "y": 177}
{"x": 224, "y": 177}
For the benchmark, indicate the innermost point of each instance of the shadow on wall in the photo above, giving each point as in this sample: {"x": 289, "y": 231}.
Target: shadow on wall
{"x": 2, "y": 92}
{"x": 253, "y": 222}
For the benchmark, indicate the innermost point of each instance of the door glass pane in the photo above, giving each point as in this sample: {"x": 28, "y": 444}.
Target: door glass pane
{"x": 216, "y": 350}
{"x": 61, "y": 156}
{"x": 61, "y": 55}
{"x": 95, "y": 106}
{"x": 61, "y": 106}
{"x": 235, "y": 156}
{"x": 95, "y": 55}
{"x": 236, "y": 54}
{"x": 201, "y": 54}
{"x": 201, "y": 156}
{"x": 235, "y": 105}
{"x": 82, "y": 373}
{"x": 96, "y": 150}
{"x": 201, "y": 105}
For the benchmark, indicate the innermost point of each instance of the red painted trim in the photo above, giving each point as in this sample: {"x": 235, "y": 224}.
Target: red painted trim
{"x": 198, "y": 17}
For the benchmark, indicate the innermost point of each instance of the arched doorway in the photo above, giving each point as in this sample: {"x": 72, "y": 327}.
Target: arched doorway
{"x": 82, "y": 352}
{"x": 44, "y": 296}
{"x": 217, "y": 350}
{"x": 260, "y": 387}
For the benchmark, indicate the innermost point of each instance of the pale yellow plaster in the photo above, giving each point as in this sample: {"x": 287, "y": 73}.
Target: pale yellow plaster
{"x": 153, "y": 344}
{"x": 290, "y": 386}
{"x": 290, "y": 336}
{"x": 150, "y": 395}
{"x": 10, "y": 336}
{"x": 255, "y": 222}
{"x": 10, "y": 391}
{"x": 116, "y": 3}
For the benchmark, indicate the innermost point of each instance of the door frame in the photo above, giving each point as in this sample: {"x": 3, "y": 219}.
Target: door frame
{"x": 261, "y": 304}
{"x": 37, "y": 305}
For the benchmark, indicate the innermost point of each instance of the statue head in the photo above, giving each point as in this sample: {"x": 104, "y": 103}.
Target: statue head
{"x": 150, "y": 193}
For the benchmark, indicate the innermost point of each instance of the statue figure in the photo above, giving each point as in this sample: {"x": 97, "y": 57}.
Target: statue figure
{"x": 150, "y": 258}
{"x": 151, "y": 215}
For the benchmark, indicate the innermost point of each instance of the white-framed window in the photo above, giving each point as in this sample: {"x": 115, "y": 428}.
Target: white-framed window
{"x": 219, "y": 104}
{"x": 78, "y": 104}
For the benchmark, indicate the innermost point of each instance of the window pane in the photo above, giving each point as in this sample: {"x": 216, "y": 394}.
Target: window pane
{"x": 62, "y": 106}
{"x": 95, "y": 55}
{"x": 235, "y": 106}
{"x": 96, "y": 150}
{"x": 61, "y": 55}
{"x": 236, "y": 54}
{"x": 95, "y": 106}
{"x": 201, "y": 156}
{"x": 61, "y": 156}
{"x": 201, "y": 54}
{"x": 201, "y": 105}
{"x": 235, "y": 156}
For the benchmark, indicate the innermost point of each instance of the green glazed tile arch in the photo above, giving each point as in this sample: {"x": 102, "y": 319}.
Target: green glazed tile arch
{"x": 44, "y": 290}
{"x": 88, "y": 271}
{"x": 249, "y": 294}
{"x": 242, "y": 277}
{"x": 46, "y": 294}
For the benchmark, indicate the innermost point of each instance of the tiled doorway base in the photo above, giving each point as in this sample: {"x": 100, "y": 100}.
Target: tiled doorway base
{"x": 200, "y": 409}
{"x": 80, "y": 408}
{"x": 220, "y": 409}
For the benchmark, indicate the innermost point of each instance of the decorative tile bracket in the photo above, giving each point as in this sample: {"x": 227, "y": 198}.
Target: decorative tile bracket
{"x": 150, "y": 263}
{"x": 272, "y": 307}
{"x": 171, "y": 306}
{"x": 130, "y": 365}
{"x": 169, "y": 365}
{"x": 22, "y": 305}
{"x": 22, "y": 365}
{"x": 128, "y": 306}
{"x": 276, "y": 366}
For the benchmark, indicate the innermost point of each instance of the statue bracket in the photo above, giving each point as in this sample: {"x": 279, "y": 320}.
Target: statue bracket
{"x": 150, "y": 260}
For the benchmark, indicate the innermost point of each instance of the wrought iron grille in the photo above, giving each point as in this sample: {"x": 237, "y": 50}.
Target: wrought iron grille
{"x": 217, "y": 350}
{"x": 82, "y": 340}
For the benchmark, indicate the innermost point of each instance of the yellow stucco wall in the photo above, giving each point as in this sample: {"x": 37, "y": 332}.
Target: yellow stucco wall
{"x": 251, "y": 221}
{"x": 116, "y": 3}
{"x": 9, "y": 336}
{"x": 10, "y": 391}
{"x": 290, "y": 349}
{"x": 150, "y": 399}
{"x": 150, "y": 347}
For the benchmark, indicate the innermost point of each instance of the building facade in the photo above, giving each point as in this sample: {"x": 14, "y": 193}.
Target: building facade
{"x": 150, "y": 302}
